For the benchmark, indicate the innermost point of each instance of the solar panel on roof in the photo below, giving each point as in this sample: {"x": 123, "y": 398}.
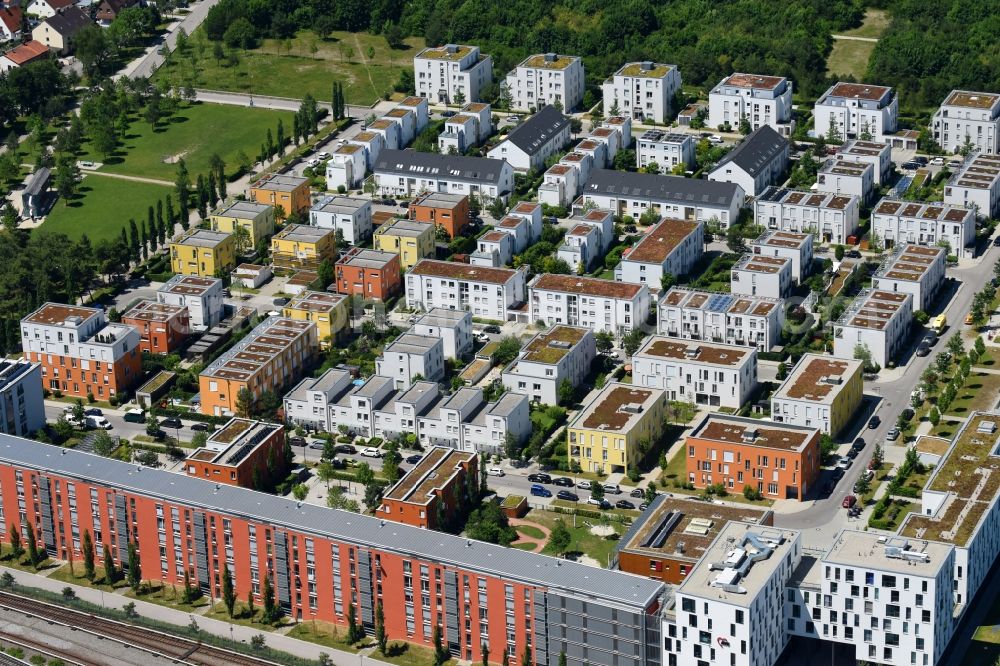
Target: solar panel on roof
{"x": 719, "y": 303}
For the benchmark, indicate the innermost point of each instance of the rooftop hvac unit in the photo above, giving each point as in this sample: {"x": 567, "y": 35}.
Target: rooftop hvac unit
{"x": 749, "y": 435}
{"x": 987, "y": 427}
{"x": 832, "y": 379}
{"x": 632, "y": 408}
{"x": 692, "y": 352}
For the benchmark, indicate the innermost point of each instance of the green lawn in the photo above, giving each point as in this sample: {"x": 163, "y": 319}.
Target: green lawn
{"x": 849, "y": 57}
{"x": 325, "y": 633}
{"x": 530, "y": 531}
{"x": 76, "y": 576}
{"x": 195, "y": 133}
{"x": 292, "y": 68}
{"x": 985, "y": 646}
{"x": 979, "y": 393}
{"x": 241, "y": 615}
{"x": 583, "y": 541}
{"x": 875, "y": 23}
{"x": 102, "y": 207}
{"x": 169, "y": 596}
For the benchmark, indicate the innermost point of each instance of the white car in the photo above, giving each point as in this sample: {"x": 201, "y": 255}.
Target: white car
{"x": 715, "y": 138}
{"x": 323, "y": 155}
{"x": 938, "y": 161}
{"x": 495, "y": 471}
{"x": 371, "y": 452}
{"x": 583, "y": 484}
{"x": 98, "y": 422}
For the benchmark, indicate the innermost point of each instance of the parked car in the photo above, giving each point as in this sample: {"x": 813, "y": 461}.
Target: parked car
{"x": 892, "y": 435}
{"x": 201, "y": 427}
{"x": 492, "y": 328}
{"x": 97, "y": 422}
{"x": 172, "y": 422}
{"x": 93, "y": 411}
{"x": 838, "y": 474}
{"x": 715, "y": 138}
{"x": 280, "y": 301}
{"x": 638, "y": 492}
{"x": 969, "y": 320}
{"x": 414, "y": 459}
{"x": 612, "y": 489}
{"x": 624, "y": 504}
{"x": 852, "y": 453}
{"x": 631, "y": 228}
{"x": 931, "y": 337}
{"x": 563, "y": 481}
{"x": 849, "y": 501}
{"x": 859, "y": 444}
{"x": 923, "y": 349}
{"x": 643, "y": 506}
{"x": 371, "y": 452}
{"x": 874, "y": 422}
{"x": 540, "y": 491}
{"x": 868, "y": 474}
{"x": 495, "y": 471}
{"x": 345, "y": 448}
{"x": 938, "y": 161}
{"x": 583, "y": 484}
{"x": 539, "y": 478}
{"x": 135, "y": 416}
{"x": 853, "y": 254}
{"x": 447, "y": 114}
{"x": 568, "y": 496}
{"x": 317, "y": 444}
{"x": 920, "y": 159}
{"x": 844, "y": 464}
{"x": 996, "y": 241}
{"x": 602, "y": 503}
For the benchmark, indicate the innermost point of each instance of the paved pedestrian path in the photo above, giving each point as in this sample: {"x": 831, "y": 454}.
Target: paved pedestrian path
{"x": 525, "y": 538}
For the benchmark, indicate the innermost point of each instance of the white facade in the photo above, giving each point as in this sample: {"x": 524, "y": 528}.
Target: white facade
{"x": 914, "y": 270}
{"x": 466, "y": 422}
{"x": 972, "y": 117}
{"x": 453, "y": 72}
{"x": 759, "y": 161}
{"x": 346, "y": 167}
{"x": 308, "y": 404}
{"x": 531, "y": 143}
{"x": 733, "y": 320}
{"x": 878, "y": 320}
{"x": 519, "y": 229}
{"x": 610, "y": 138}
{"x": 787, "y": 245}
{"x": 560, "y": 186}
{"x": 665, "y": 149}
{"x": 820, "y": 392}
{"x": 452, "y": 326}
{"x": 697, "y": 372}
{"x": 857, "y": 111}
{"x": 494, "y": 248}
{"x": 349, "y": 215}
{"x": 600, "y": 305}
{"x": 563, "y": 353}
{"x": 900, "y": 222}
{"x": 461, "y": 132}
{"x": 485, "y": 292}
{"x": 22, "y": 401}
{"x": 643, "y": 91}
{"x": 410, "y": 355}
{"x": 373, "y": 143}
{"x": 976, "y": 184}
{"x": 407, "y": 173}
{"x": 845, "y": 178}
{"x": 624, "y": 126}
{"x": 671, "y": 246}
{"x": 829, "y": 217}
{"x": 546, "y": 78}
{"x": 754, "y": 275}
{"x": 580, "y": 248}
{"x": 390, "y": 132}
{"x": 879, "y": 155}
{"x": 762, "y": 100}
{"x": 202, "y": 297}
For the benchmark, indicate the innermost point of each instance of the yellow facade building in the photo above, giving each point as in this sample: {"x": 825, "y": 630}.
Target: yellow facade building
{"x": 412, "y": 241}
{"x": 328, "y": 311}
{"x": 301, "y": 247}
{"x": 203, "y": 252}
{"x": 612, "y": 433}
{"x": 256, "y": 218}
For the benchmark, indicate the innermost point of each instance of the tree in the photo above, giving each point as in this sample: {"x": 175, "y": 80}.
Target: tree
{"x": 154, "y": 109}
{"x": 440, "y": 653}
{"x": 110, "y": 570}
{"x": 202, "y": 196}
{"x": 67, "y": 178}
{"x": 16, "y": 549}
{"x": 862, "y": 486}
{"x": 878, "y": 456}
{"x": 182, "y": 185}
{"x": 88, "y": 556}
{"x": 650, "y": 493}
{"x": 559, "y": 538}
{"x": 632, "y": 340}
{"x": 605, "y": 341}
{"x": 597, "y": 491}
{"x": 380, "y": 636}
{"x": 134, "y": 567}
{"x": 745, "y": 127}
{"x": 373, "y": 495}
{"x": 9, "y": 217}
{"x": 391, "y": 461}
{"x": 251, "y": 609}
{"x": 934, "y": 416}
{"x": 484, "y": 648}
{"x": 562, "y": 659}
{"x": 354, "y": 631}
{"x": 244, "y": 402}
{"x": 228, "y": 591}
{"x": 300, "y": 491}
{"x": 782, "y": 371}
{"x": 863, "y": 353}
{"x": 667, "y": 280}
{"x": 270, "y": 614}
{"x": 566, "y": 392}
{"x": 34, "y": 554}
{"x": 955, "y": 345}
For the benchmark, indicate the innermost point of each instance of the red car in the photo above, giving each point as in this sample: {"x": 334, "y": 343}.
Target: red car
{"x": 849, "y": 501}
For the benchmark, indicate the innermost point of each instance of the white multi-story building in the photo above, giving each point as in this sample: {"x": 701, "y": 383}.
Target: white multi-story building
{"x": 589, "y": 238}
{"x": 202, "y": 296}
{"x": 857, "y": 111}
{"x": 908, "y": 222}
{"x": 485, "y": 292}
{"x": 820, "y": 392}
{"x": 409, "y": 172}
{"x": 351, "y": 216}
{"x": 670, "y": 247}
{"x": 758, "y": 162}
{"x": 831, "y": 218}
{"x": 644, "y": 91}
{"x": 390, "y": 132}
{"x": 583, "y": 164}
{"x": 675, "y": 197}
{"x": 451, "y": 73}
{"x": 563, "y": 353}
{"x": 308, "y": 404}
{"x": 22, "y": 400}
{"x": 538, "y": 138}
{"x": 968, "y": 118}
{"x": 461, "y": 132}
{"x": 665, "y": 149}
{"x": 610, "y": 138}
{"x": 347, "y": 167}
{"x": 976, "y": 184}
{"x": 754, "y": 275}
{"x": 753, "y": 321}
{"x": 762, "y": 100}
{"x": 623, "y": 124}
{"x": 374, "y": 141}
{"x": 519, "y": 229}
{"x": 560, "y": 185}
{"x": 466, "y": 422}
{"x": 846, "y": 178}
{"x": 788, "y": 245}
{"x": 697, "y": 372}
{"x": 914, "y": 270}
{"x": 454, "y": 327}
{"x": 494, "y": 248}
{"x": 600, "y": 305}
{"x": 411, "y": 355}
{"x": 546, "y": 78}
{"x": 879, "y": 320}
{"x": 531, "y": 213}
{"x": 879, "y": 155}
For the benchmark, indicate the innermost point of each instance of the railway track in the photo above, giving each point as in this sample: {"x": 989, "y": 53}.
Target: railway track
{"x": 180, "y": 650}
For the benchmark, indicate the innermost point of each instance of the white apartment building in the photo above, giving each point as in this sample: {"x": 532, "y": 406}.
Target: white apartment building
{"x": 466, "y": 422}
{"x": 914, "y": 270}
{"x": 391, "y": 133}
{"x": 907, "y": 222}
{"x": 690, "y": 314}
{"x": 832, "y": 218}
{"x": 968, "y": 118}
{"x": 583, "y": 164}
{"x": 461, "y": 132}
{"x": 754, "y": 275}
{"x": 665, "y": 149}
{"x": 820, "y": 392}
{"x": 531, "y": 213}
{"x": 762, "y": 100}
{"x": 976, "y": 184}
{"x": 610, "y": 138}
{"x": 420, "y": 109}
{"x": 846, "y": 178}
{"x": 600, "y": 305}
{"x": 879, "y": 320}
{"x": 563, "y": 353}
{"x": 374, "y": 141}
{"x": 494, "y": 248}
{"x": 857, "y": 111}
{"x": 202, "y": 296}
{"x": 560, "y": 185}
{"x": 485, "y": 292}
{"x": 356, "y": 408}
{"x": 643, "y": 91}
{"x": 787, "y": 245}
{"x": 535, "y": 140}
{"x": 671, "y": 246}
{"x": 409, "y": 172}
{"x": 879, "y": 155}
{"x": 590, "y": 236}
{"x": 308, "y": 404}
{"x": 347, "y": 167}
{"x": 451, "y": 73}
{"x": 623, "y": 124}
{"x": 411, "y": 355}
{"x": 453, "y": 327}
{"x": 697, "y": 372}
{"x": 675, "y": 197}
{"x": 22, "y": 401}
{"x": 519, "y": 229}
{"x": 351, "y": 216}
{"x": 759, "y": 161}
{"x": 546, "y": 78}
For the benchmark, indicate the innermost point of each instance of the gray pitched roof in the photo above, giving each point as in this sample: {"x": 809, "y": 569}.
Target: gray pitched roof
{"x": 69, "y": 21}
{"x": 454, "y": 167}
{"x": 507, "y": 563}
{"x": 538, "y": 130}
{"x": 757, "y": 150}
{"x": 667, "y": 189}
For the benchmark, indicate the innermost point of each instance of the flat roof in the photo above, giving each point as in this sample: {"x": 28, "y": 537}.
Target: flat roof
{"x": 864, "y": 148}
{"x": 438, "y": 200}
{"x": 233, "y": 442}
{"x": 844, "y": 167}
{"x": 807, "y": 199}
{"x": 755, "y": 263}
{"x": 552, "y": 345}
{"x": 202, "y": 238}
{"x": 660, "y": 241}
{"x": 340, "y": 204}
{"x": 55, "y": 314}
{"x": 436, "y": 469}
{"x": 757, "y": 81}
{"x": 870, "y": 550}
{"x": 147, "y": 310}
{"x": 455, "y": 271}
{"x": 548, "y": 61}
{"x": 280, "y": 182}
{"x": 316, "y": 301}
{"x": 302, "y": 233}
{"x": 444, "y": 317}
{"x": 645, "y": 69}
{"x": 243, "y": 210}
{"x": 446, "y": 52}
{"x": 978, "y": 172}
{"x": 617, "y": 408}
{"x": 404, "y": 227}
{"x": 873, "y": 309}
{"x": 936, "y": 211}
{"x": 190, "y": 285}
{"x": 575, "y": 284}
{"x": 662, "y": 136}
{"x": 258, "y": 349}
{"x": 785, "y": 239}
{"x": 971, "y": 100}
{"x": 411, "y": 343}
{"x": 365, "y": 258}
{"x": 858, "y": 91}
{"x": 711, "y": 301}
{"x": 302, "y": 279}
{"x": 910, "y": 262}
{"x": 817, "y": 378}
{"x": 695, "y": 351}
{"x": 753, "y": 432}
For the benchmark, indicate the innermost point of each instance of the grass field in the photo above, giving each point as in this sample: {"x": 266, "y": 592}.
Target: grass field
{"x": 875, "y": 23}
{"x": 979, "y": 393}
{"x": 294, "y": 67}
{"x": 195, "y": 132}
{"x": 102, "y": 207}
{"x": 582, "y": 540}
{"x": 850, "y": 56}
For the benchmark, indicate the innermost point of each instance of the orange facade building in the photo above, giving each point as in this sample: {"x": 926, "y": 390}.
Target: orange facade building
{"x": 781, "y": 461}
{"x": 290, "y": 193}
{"x": 162, "y": 327}
{"x": 240, "y": 453}
{"x": 450, "y": 211}
{"x": 369, "y": 274}
{"x": 80, "y": 352}
{"x": 434, "y": 490}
